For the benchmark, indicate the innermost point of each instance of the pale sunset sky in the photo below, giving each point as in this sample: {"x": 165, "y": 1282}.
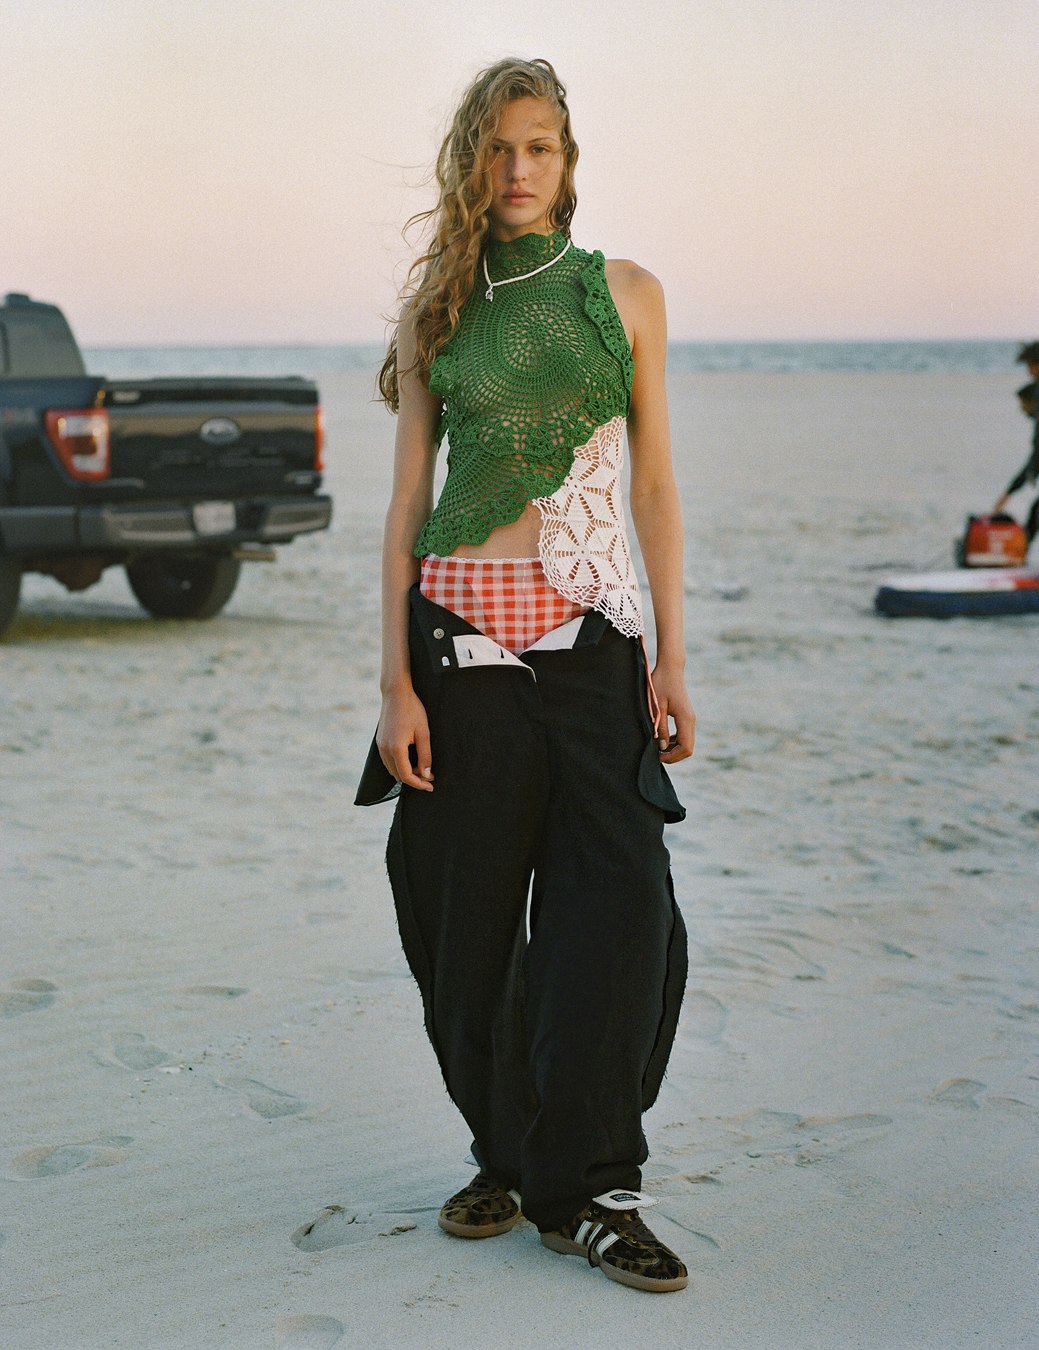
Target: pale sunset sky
{"x": 210, "y": 171}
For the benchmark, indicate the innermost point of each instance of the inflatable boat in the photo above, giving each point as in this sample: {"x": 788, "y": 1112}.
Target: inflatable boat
{"x": 967, "y": 591}
{"x": 991, "y": 579}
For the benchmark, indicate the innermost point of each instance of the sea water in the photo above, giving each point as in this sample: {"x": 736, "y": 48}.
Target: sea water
{"x": 949, "y": 357}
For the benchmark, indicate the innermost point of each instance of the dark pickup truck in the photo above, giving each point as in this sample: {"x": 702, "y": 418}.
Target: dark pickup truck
{"x": 177, "y": 480}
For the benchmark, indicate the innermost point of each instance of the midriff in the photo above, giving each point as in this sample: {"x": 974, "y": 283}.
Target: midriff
{"x": 517, "y": 540}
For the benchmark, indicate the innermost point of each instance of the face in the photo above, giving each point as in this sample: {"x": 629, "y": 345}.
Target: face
{"x": 526, "y": 170}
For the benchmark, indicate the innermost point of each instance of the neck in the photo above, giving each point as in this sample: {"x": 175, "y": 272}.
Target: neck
{"x": 506, "y": 234}
{"x": 519, "y": 255}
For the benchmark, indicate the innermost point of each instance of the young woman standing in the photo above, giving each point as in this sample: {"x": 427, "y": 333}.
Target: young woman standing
{"x": 519, "y": 724}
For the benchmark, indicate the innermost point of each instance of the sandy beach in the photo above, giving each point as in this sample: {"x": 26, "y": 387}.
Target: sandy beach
{"x": 222, "y": 1124}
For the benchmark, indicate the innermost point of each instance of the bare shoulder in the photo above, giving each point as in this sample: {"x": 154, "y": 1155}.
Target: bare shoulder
{"x": 629, "y": 279}
{"x": 639, "y": 298}
{"x": 638, "y": 294}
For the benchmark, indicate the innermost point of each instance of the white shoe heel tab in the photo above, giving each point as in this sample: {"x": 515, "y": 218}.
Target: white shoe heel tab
{"x": 624, "y": 1199}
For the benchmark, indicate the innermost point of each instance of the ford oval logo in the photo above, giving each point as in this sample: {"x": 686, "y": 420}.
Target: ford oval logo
{"x": 220, "y": 431}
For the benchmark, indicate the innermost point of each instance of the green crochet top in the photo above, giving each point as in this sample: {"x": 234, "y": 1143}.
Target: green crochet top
{"x": 526, "y": 378}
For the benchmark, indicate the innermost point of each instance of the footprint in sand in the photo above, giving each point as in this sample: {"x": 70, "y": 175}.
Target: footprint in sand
{"x": 703, "y": 1016}
{"x": 333, "y": 1227}
{"x": 28, "y": 996}
{"x": 268, "y": 1102}
{"x": 130, "y": 1050}
{"x": 780, "y": 1133}
{"x": 1016, "y": 1107}
{"x": 337, "y": 1226}
{"x": 958, "y": 1092}
{"x": 55, "y": 1160}
{"x": 763, "y": 1124}
{"x": 865, "y": 1122}
{"x": 307, "y": 1333}
{"x": 394, "y": 972}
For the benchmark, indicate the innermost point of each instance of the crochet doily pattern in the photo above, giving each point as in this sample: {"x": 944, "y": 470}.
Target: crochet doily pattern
{"x": 583, "y": 545}
{"x": 526, "y": 378}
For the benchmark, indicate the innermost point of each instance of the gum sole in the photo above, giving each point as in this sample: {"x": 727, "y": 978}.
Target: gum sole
{"x": 565, "y": 1247}
{"x": 466, "y": 1230}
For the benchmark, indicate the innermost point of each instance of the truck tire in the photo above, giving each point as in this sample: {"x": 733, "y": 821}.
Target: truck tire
{"x": 183, "y": 586}
{"x": 10, "y": 589}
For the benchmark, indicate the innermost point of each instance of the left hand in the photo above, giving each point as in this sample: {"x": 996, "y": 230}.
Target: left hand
{"x": 675, "y": 705}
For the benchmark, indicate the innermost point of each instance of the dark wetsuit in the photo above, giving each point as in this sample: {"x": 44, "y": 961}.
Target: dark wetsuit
{"x": 1029, "y": 473}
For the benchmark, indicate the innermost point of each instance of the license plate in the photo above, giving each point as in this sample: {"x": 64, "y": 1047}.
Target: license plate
{"x": 213, "y": 517}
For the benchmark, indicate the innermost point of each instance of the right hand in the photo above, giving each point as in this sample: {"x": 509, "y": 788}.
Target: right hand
{"x": 403, "y": 724}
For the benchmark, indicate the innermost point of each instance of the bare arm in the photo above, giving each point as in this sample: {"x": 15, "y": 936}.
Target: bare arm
{"x": 402, "y": 722}
{"x": 655, "y": 508}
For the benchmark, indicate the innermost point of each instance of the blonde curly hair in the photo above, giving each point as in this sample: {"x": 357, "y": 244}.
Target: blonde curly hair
{"x": 441, "y": 280}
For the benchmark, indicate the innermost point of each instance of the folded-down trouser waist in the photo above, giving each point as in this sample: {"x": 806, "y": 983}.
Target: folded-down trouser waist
{"x": 585, "y": 674}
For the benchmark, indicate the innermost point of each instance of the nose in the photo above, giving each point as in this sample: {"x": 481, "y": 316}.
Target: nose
{"x": 517, "y": 166}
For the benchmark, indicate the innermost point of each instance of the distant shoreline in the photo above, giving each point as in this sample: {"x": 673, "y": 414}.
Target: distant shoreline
{"x": 951, "y": 356}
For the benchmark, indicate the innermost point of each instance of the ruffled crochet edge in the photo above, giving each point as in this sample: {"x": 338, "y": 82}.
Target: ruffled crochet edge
{"x": 601, "y": 309}
{"x": 476, "y": 527}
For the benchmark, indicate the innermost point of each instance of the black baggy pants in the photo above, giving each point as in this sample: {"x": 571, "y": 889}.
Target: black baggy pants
{"x": 547, "y": 784}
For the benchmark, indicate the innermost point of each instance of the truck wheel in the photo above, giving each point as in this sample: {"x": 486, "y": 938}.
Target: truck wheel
{"x": 10, "y": 589}
{"x": 176, "y": 586}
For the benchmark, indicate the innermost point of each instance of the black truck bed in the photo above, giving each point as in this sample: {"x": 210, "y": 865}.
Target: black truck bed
{"x": 151, "y": 474}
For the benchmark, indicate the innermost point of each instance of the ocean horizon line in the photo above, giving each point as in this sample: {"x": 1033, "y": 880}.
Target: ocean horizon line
{"x": 938, "y": 355}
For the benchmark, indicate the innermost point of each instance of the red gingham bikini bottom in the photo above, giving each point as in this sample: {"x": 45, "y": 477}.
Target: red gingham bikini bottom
{"x": 507, "y": 599}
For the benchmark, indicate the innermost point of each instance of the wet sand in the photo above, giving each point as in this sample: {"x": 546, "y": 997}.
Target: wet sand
{"x": 223, "y": 1126}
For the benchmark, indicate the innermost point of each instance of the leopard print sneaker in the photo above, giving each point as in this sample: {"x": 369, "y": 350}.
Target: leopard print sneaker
{"x": 609, "y": 1232}
{"x": 482, "y": 1209}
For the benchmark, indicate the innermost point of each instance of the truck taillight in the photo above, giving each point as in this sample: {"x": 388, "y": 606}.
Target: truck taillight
{"x": 81, "y": 438}
{"x": 319, "y": 439}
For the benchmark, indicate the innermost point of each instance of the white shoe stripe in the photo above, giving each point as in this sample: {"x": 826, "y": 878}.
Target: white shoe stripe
{"x": 579, "y": 1236}
{"x": 607, "y": 1241}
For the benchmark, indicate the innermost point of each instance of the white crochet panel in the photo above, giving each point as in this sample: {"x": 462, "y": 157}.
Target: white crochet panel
{"x": 583, "y": 545}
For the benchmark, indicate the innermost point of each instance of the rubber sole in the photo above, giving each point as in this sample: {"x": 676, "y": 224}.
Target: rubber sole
{"x": 556, "y": 1243}
{"x": 482, "y": 1230}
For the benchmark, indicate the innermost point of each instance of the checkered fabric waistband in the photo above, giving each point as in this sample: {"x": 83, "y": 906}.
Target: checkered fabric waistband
{"x": 507, "y": 599}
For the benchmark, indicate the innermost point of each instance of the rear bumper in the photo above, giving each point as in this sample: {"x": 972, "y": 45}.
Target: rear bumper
{"x": 162, "y": 526}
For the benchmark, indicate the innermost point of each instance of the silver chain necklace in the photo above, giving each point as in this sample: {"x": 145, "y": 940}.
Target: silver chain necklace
{"x": 507, "y": 281}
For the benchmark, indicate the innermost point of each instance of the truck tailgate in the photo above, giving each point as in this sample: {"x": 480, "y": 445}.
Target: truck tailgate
{"x": 206, "y": 438}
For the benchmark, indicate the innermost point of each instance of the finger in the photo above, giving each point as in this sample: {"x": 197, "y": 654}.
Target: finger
{"x": 407, "y": 777}
{"x": 680, "y": 745}
{"x": 423, "y": 754}
{"x": 407, "y": 773}
{"x": 660, "y": 727}
{"x": 398, "y": 763}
